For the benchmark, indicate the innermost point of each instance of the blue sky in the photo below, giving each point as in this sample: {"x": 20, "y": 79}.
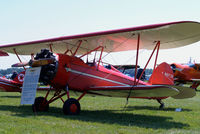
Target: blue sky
{"x": 23, "y": 20}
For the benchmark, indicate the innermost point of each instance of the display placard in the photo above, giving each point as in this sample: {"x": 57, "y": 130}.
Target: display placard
{"x": 30, "y": 85}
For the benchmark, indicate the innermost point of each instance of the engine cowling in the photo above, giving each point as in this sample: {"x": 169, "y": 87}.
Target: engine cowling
{"x": 48, "y": 71}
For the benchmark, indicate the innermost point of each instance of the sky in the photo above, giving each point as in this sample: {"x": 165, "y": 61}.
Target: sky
{"x": 22, "y": 20}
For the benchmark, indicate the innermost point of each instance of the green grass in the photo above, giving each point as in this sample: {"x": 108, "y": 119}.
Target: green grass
{"x": 101, "y": 115}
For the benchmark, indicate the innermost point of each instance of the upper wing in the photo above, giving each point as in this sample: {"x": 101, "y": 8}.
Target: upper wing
{"x": 170, "y": 35}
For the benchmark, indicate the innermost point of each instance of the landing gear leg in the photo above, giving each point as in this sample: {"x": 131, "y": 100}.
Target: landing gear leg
{"x": 162, "y": 105}
{"x": 195, "y": 85}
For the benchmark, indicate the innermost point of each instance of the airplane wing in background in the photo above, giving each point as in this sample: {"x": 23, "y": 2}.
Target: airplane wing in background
{"x": 170, "y": 35}
{"x": 196, "y": 80}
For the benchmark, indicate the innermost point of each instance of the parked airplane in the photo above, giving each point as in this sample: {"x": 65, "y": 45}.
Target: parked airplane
{"x": 187, "y": 73}
{"x": 15, "y": 83}
{"x": 64, "y": 69}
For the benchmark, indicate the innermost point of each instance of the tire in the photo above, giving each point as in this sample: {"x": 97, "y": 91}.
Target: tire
{"x": 40, "y": 105}
{"x": 71, "y": 107}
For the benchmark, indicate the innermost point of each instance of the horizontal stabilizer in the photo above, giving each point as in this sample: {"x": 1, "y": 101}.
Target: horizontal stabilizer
{"x": 150, "y": 91}
{"x": 184, "y": 92}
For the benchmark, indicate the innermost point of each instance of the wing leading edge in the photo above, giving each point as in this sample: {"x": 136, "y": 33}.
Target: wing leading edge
{"x": 171, "y": 35}
{"x": 144, "y": 91}
{"x": 149, "y": 91}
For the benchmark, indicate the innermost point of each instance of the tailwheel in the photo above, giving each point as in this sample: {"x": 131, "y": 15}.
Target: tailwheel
{"x": 40, "y": 105}
{"x": 71, "y": 107}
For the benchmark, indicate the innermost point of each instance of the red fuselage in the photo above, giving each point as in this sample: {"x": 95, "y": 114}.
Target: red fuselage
{"x": 186, "y": 72}
{"x": 9, "y": 85}
{"x": 77, "y": 75}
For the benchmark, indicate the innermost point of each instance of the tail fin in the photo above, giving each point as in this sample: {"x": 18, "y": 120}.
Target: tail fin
{"x": 20, "y": 77}
{"x": 162, "y": 75}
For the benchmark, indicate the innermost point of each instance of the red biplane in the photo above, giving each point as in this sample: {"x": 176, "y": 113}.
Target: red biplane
{"x": 65, "y": 67}
{"x": 15, "y": 83}
{"x": 187, "y": 73}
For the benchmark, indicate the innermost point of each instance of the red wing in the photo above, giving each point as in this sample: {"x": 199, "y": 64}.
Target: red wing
{"x": 170, "y": 35}
{"x": 150, "y": 91}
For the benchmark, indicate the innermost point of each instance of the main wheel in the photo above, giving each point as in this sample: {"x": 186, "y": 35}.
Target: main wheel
{"x": 71, "y": 107}
{"x": 40, "y": 105}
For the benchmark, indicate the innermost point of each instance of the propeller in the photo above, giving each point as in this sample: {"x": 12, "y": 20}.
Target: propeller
{"x": 35, "y": 63}
{"x": 174, "y": 68}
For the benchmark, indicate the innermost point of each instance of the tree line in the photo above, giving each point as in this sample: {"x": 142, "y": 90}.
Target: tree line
{"x": 4, "y": 72}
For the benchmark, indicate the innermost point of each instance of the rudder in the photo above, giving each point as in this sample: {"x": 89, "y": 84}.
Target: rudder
{"x": 162, "y": 75}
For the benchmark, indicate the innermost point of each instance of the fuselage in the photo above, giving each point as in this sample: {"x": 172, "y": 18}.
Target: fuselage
{"x": 78, "y": 75}
{"x": 186, "y": 72}
{"x": 9, "y": 85}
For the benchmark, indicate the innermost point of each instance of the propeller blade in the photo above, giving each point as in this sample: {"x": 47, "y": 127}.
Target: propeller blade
{"x": 35, "y": 63}
{"x": 41, "y": 62}
{"x": 20, "y": 64}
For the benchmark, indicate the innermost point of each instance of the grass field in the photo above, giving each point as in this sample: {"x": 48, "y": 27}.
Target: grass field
{"x": 101, "y": 115}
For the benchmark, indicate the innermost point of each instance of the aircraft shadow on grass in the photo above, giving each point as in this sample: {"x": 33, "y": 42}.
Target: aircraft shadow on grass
{"x": 132, "y": 108}
{"x": 10, "y": 96}
{"x": 103, "y": 116}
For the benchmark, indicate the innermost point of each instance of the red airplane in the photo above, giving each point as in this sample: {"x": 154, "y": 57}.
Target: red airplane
{"x": 15, "y": 83}
{"x": 64, "y": 69}
{"x": 12, "y": 85}
{"x": 187, "y": 73}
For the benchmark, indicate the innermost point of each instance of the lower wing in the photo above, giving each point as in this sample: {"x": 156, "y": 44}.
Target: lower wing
{"x": 150, "y": 91}
{"x": 144, "y": 91}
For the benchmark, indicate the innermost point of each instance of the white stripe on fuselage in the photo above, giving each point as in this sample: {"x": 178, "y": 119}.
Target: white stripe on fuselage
{"x": 94, "y": 76}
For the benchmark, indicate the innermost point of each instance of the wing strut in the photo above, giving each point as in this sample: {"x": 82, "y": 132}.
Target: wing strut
{"x": 156, "y": 47}
{"x": 18, "y": 57}
{"x": 137, "y": 54}
{"x": 50, "y": 46}
{"x": 99, "y": 47}
{"x": 80, "y": 42}
{"x": 158, "y": 44}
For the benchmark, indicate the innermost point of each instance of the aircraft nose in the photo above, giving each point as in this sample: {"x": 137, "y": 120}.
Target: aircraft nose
{"x": 48, "y": 71}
